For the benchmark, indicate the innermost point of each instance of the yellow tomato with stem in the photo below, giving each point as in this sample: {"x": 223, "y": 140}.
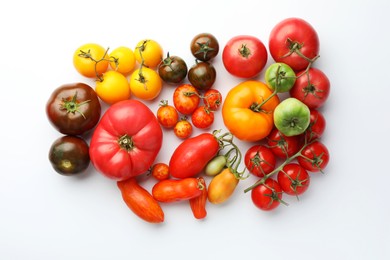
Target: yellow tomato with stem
{"x": 145, "y": 83}
{"x": 91, "y": 60}
{"x": 149, "y": 53}
{"x": 113, "y": 87}
{"x": 222, "y": 186}
{"x": 122, "y": 59}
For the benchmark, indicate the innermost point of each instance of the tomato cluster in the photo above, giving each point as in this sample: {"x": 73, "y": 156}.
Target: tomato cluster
{"x": 284, "y": 133}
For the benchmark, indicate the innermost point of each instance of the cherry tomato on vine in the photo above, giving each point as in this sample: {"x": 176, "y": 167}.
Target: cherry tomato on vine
{"x": 160, "y": 171}
{"x": 293, "y": 41}
{"x": 167, "y": 115}
{"x": 172, "y": 69}
{"x": 204, "y": 46}
{"x": 202, "y": 117}
{"x": 122, "y": 59}
{"x": 244, "y": 56}
{"x": 315, "y": 157}
{"x": 280, "y": 77}
{"x": 267, "y": 196}
{"x": 311, "y": 88}
{"x": 212, "y": 99}
{"x": 281, "y": 145}
{"x": 202, "y": 75}
{"x": 145, "y": 83}
{"x": 259, "y": 160}
{"x": 293, "y": 179}
{"x": 91, "y": 60}
{"x": 317, "y": 125}
{"x": 186, "y": 99}
{"x": 113, "y": 87}
{"x": 149, "y": 52}
{"x": 183, "y": 129}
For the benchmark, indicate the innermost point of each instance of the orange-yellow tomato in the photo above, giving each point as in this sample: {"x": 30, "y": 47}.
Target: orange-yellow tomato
{"x": 122, "y": 59}
{"x": 243, "y": 113}
{"x": 91, "y": 60}
{"x": 145, "y": 83}
{"x": 222, "y": 186}
{"x": 150, "y": 52}
{"x": 113, "y": 87}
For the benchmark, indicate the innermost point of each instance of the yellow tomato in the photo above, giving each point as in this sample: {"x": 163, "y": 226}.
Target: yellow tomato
{"x": 91, "y": 60}
{"x": 150, "y": 52}
{"x": 113, "y": 87}
{"x": 145, "y": 83}
{"x": 222, "y": 186}
{"x": 122, "y": 60}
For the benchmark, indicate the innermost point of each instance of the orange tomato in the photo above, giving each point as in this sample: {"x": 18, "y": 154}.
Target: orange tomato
{"x": 222, "y": 187}
{"x": 145, "y": 83}
{"x": 122, "y": 59}
{"x": 113, "y": 87}
{"x": 244, "y": 114}
{"x": 149, "y": 52}
{"x": 90, "y": 60}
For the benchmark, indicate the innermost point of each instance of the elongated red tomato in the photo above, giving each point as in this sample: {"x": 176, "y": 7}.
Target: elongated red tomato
{"x": 192, "y": 155}
{"x": 140, "y": 201}
{"x": 198, "y": 204}
{"x": 172, "y": 190}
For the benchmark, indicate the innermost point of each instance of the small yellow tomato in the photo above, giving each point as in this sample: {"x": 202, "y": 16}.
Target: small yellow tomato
{"x": 113, "y": 87}
{"x": 91, "y": 60}
{"x": 222, "y": 186}
{"x": 145, "y": 83}
{"x": 150, "y": 52}
{"x": 122, "y": 59}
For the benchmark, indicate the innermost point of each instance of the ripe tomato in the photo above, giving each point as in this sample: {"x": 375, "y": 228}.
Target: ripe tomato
{"x": 202, "y": 75}
{"x": 314, "y": 157}
{"x": 293, "y": 41}
{"x": 73, "y": 109}
{"x": 198, "y": 204}
{"x": 91, "y": 60}
{"x": 126, "y": 141}
{"x": 149, "y": 53}
{"x": 212, "y": 99}
{"x": 259, "y": 160}
{"x": 183, "y": 129}
{"x": 243, "y": 114}
{"x": 186, "y": 99}
{"x": 145, "y": 83}
{"x": 69, "y": 155}
{"x": 267, "y": 196}
{"x": 122, "y": 59}
{"x": 113, "y": 87}
{"x": 172, "y": 69}
{"x": 293, "y": 179}
{"x": 244, "y": 56}
{"x": 176, "y": 190}
{"x": 192, "y": 155}
{"x": 281, "y": 145}
{"x": 222, "y": 186}
{"x": 312, "y": 89}
{"x": 317, "y": 125}
{"x": 202, "y": 117}
{"x": 167, "y": 115}
{"x": 140, "y": 201}
{"x": 160, "y": 171}
{"x": 204, "y": 46}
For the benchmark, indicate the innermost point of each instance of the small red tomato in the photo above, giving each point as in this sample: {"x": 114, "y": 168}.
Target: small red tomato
{"x": 259, "y": 160}
{"x": 160, "y": 171}
{"x": 186, "y": 99}
{"x": 183, "y": 129}
{"x": 267, "y": 196}
{"x": 315, "y": 157}
{"x": 167, "y": 115}
{"x": 317, "y": 125}
{"x": 293, "y": 179}
{"x": 212, "y": 99}
{"x": 281, "y": 145}
{"x": 202, "y": 117}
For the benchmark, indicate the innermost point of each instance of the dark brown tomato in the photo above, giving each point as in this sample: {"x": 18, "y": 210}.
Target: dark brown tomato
{"x": 204, "y": 46}
{"x": 202, "y": 75}
{"x": 172, "y": 69}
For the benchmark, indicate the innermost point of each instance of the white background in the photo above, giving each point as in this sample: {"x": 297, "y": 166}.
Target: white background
{"x": 43, "y": 215}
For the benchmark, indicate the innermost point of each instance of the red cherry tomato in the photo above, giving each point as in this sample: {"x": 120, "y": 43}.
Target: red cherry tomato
{"x": 259, "y": 160}
{"x": 160, "y": 171}
{"x": 167, "y": 115}
{"x": 281, "y": 145}
{"x": 202, "y": 117}
{"x": 317, "y": 125}
{"x": 267, "y": 196}
{"x": 315, "y": 157}
{"x": 293, "y": 179}
{"x": 186, "y": 99}
{"x": 212, "y": 99}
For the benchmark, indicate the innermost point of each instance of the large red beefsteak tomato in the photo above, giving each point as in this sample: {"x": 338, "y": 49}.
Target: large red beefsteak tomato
{"x": 126, "y": 141}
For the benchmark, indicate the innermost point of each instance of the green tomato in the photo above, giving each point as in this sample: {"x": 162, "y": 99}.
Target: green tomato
{"x": 280, "y": 76}
{"x": 291, "y": 117}
{"x": 215, "y": 165}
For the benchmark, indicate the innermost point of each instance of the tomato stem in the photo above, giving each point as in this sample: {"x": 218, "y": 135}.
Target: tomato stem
{"x": 71, "y": 106}
{"x": 204, "y": 48}
{"x": 126, "y": 142}
{"x": 244, "y": 51}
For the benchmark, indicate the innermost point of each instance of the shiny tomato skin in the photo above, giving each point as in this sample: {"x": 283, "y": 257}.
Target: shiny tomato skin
{"x": 186, "y": 99}
{"x": 202, "y": 117}
{"x": 317, "y": 125}
{"x": 212, "y": 99}
{"x": 222, "y": 186}
{"x": 244, "y": 56}
{"x": 315, "y": 157}
{"x": 267, "y": 196}
{"x": 160, "y": 171}
{"x": 202, "y": 75}
{"x": 126, "y": 141}
{"x": 73, "y": 109}
{"x": 293, "y": 32}
{"x": 259, "y": 160}
{"x": 314, "y": 92}
{"x": 204, "y": 46}
{"x": 183, "y": 129}
{"x": 172, "y": 190}
{"x": 293, "y": 179}
{"x": 283, "y": 146}
{"x": 167, "y": 115}
{"x": 192, "y": 155}
{"x": 172, "y": 69}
